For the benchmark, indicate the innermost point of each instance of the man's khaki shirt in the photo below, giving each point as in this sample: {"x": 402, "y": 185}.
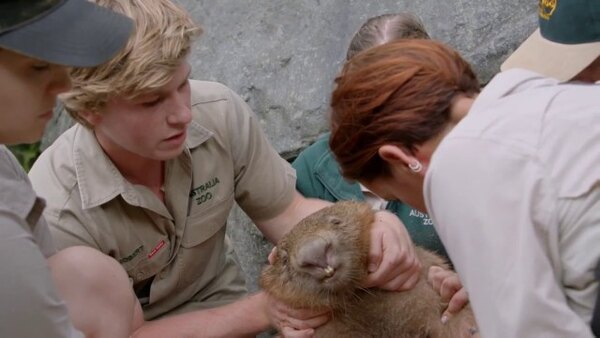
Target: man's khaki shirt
{"x": 180, "y": 246}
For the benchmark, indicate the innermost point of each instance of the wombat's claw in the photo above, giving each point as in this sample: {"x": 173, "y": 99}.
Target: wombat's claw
{"x": 329, "y": 271}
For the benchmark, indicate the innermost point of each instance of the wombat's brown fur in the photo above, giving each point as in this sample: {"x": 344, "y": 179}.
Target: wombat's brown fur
{"x": 322, "y": 262}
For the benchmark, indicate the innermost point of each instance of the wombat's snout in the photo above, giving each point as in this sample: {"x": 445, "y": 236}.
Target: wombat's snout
{"x": 316, "y": 257}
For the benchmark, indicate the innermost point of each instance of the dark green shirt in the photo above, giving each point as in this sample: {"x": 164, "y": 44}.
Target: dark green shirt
{"x": 318, "y": 176}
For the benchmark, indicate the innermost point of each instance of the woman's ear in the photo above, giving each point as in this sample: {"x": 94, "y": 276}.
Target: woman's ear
{"x": 400, "y": 158}
{"x": 395, "y": 155}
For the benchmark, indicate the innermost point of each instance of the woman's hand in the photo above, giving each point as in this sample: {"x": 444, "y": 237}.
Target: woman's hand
{"x": 448, "y": 285}
{"x": 393, "y": 263}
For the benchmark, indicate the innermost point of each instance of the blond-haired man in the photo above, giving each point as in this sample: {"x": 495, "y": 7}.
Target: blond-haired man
{"x": 151, "y": 171}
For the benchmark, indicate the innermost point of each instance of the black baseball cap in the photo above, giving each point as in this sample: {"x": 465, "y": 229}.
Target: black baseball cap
{"x": 74, "y": 33}
{"x": 566, "y": 42}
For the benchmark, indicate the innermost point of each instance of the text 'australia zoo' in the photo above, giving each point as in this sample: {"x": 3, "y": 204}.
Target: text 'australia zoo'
{"x": 203, "y": 192}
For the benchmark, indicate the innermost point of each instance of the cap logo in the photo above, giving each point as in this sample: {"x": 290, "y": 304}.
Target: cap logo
{"x": 547, "y": 8}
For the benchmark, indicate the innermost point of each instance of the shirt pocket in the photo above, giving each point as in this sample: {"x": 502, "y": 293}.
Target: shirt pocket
{"x": 132, "y": 260}
{"x": 203, "y": 251}
{"x": 202, "y": 224}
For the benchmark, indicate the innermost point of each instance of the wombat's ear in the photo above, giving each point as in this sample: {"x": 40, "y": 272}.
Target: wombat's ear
{"x": 277, "y": 255}
{"x": 272, "y": 258}
{"x": 283, "y": 256}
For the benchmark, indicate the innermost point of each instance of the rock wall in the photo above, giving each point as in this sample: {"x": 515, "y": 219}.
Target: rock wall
{"x": 282, "y": 55}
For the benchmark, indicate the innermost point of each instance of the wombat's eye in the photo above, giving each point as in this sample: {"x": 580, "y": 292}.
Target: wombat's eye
{"x": 335, "y": 221}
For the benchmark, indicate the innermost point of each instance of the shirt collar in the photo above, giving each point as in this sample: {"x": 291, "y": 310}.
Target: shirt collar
{"x": 510, "y": 82}
{"x": 197, "y": 134}
{"x": 99, "y": 179}
{"x": 328, "y": 173}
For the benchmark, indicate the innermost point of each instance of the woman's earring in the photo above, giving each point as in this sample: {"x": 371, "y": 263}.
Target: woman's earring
{"x": 415, "y": 167}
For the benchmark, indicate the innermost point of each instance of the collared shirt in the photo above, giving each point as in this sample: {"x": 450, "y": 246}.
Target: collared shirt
{"x": 30, "y": 306}
{"x": 514, "y": 192}
{"x": 179, "y": 246}
{"x": 376, "y": 202}
{"x": 318, "y": 176}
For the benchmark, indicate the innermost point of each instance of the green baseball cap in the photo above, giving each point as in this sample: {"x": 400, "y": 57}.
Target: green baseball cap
{"x": 566, "y": 42}
{"x": 67, "y": 32}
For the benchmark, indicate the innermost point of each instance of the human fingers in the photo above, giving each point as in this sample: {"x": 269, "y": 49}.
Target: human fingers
{"x": 435, "y": 276}
{"x": 305, "y": 314}
{"x": 395, "y": 274}
{"x": 283, "y": 315}
{"x": 290, "y": 332}
{"x": 458, "y": 301}
{"x": 399, "y": 267}
{"x": 307, "y": 322}
{"x": 444, "y": 281}
{"x": 375, "y": 252}
{"x": 449, "y": 287}
{"x": 403, "y": 282}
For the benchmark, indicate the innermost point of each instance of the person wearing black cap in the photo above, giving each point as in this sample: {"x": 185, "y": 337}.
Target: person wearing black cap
{"x": 45, "y": 293}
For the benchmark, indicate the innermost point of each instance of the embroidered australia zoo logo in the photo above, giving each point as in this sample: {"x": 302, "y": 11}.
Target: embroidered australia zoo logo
{"x": 204, "y": 192}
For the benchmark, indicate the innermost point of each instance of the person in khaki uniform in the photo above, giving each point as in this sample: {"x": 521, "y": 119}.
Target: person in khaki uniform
{"x": 45, "y": 292}
{"x": 151, "y": 171}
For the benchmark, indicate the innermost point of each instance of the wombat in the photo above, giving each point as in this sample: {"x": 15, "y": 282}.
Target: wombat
{"x": 322, "y": 262}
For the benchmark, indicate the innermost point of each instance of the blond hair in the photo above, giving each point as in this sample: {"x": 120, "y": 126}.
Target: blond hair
{"x": 385, "y": 28}
{"x": 162, "y": 38}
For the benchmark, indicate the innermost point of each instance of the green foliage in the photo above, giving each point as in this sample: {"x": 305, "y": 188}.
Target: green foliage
{"x": 26, "y": 154}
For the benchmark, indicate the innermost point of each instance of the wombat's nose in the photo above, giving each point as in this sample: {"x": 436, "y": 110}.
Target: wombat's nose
{"x": 316, "y": 258}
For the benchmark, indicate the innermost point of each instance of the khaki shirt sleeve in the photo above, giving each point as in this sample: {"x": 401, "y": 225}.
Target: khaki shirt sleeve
{"x": 31, "y": 306}
{"x": 265, "y": 182}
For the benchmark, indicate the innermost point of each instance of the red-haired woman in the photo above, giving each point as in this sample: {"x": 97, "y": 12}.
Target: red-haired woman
{"x": 509, "y": 175}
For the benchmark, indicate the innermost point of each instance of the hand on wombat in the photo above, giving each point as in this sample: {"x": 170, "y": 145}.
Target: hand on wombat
{"x": 293, "y": 322}
{"x": 448, "y": 285}
{"x": 322, "y": 263}
{"x": 393, "y": 262}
